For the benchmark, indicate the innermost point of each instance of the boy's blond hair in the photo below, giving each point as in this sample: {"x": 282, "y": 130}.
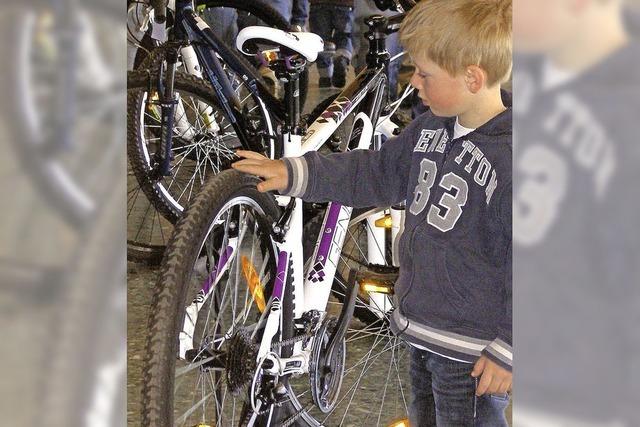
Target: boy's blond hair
{"x": 457, "y": 33}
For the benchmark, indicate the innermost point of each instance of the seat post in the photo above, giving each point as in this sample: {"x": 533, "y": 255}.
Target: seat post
{"x": 288, "y": 71}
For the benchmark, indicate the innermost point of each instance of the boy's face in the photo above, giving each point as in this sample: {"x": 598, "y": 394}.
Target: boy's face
{"x": 443, "y": 93}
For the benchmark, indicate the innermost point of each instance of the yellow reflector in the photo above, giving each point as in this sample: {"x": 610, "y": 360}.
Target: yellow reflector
{"x": 384, "y": 222}
{"x": 270, "y": 55}
{"x": 367, "y": 286}
{"x": 400, "y": 423}
{"x": 255, "y": 287}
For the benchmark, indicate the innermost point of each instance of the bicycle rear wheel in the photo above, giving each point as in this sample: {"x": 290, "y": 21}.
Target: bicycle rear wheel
{"x": 206, "y": 315}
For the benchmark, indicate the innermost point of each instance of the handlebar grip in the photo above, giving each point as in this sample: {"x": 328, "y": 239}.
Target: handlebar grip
{"x": 160, "y": 10}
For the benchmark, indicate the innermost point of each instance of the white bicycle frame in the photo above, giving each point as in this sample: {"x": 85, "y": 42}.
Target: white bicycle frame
{"x": 313, "y": 287}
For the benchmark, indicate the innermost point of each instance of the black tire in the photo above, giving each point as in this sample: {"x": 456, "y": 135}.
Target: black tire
{"x": 174, "y": 290}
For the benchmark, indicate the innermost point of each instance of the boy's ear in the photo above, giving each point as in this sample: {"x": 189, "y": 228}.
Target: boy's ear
{"x": 475, "y": 78}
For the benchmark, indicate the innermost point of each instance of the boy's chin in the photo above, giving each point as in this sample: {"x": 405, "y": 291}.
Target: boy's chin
{"x": 438, "y": 113}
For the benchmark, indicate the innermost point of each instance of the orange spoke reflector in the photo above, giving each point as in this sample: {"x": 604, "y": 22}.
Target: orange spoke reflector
{"x": 400, "y": 423}
{"x": 368, "y": 286}
{"x": 255, "y": 287}
{"x": 384, "y": 222}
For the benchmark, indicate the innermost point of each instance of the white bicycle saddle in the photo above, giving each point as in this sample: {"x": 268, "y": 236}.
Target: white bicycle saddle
{"x": 306, "y": 44}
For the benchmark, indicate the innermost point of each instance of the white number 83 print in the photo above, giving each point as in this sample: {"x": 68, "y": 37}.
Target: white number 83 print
{"x": 451, "y": 201}
{"x": 544, "y": 184}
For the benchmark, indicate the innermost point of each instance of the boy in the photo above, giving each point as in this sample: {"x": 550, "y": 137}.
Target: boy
{"x": 453, "y": 166}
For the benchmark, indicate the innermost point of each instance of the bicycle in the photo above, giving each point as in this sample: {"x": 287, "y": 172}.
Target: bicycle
{"x": 236, "y": 109}
{"x": 232, "y": 304}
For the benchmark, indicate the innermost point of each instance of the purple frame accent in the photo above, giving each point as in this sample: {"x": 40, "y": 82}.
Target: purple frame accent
{"x": 224, "y": 258}
{"x": 283, "y": 263}
{"x": 327, "y": 238}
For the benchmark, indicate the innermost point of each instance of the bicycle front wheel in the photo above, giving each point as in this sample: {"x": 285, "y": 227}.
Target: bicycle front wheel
{"x": 209, "y": 307}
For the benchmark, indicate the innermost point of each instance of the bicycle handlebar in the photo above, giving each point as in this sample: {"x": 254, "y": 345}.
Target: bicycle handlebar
{"x": 160, "y": 10}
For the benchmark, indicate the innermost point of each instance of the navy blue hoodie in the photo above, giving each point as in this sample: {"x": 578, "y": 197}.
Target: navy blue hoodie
{"x": 453, "y": 294}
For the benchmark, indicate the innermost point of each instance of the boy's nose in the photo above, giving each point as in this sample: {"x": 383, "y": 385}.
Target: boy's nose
{"x": 415, "y": 81}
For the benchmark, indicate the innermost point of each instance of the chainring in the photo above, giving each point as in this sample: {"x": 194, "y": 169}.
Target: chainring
{"x": 326, "y": 371}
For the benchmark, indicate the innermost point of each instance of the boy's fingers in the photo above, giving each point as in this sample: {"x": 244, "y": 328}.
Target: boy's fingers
{"x": 504, "y": 387}
{"x": 250, "y": 155}
{"x": 250, "y": 168}
{"x": 484, "y": 383}
{"x": 245, "y": 163}
{"x": 268, "y": 185}
{"x": 478, "y": 367}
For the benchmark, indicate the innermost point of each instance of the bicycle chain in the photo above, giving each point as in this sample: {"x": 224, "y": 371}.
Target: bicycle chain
{"x": 292, "y": 340}
{"x": 294, "y": 417}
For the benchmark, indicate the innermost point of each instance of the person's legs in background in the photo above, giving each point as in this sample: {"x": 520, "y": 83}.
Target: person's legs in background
{"x": 394, "y": 48}
{"x": 320, "y": 23}
{"x": 300, "y": 14}
{"x": 283, "y": 7}
{"x": 223, "y": 22}
{"x": 343, "y": 27}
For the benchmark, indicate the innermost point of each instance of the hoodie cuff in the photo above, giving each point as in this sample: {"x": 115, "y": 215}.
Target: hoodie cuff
{"x": 298, "y": 176}
{"x": 501, "y": 353}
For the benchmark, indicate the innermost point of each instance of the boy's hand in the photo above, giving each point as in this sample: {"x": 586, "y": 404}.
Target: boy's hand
{"x": 274, "y": 172}
{"x": 494, "y": 378}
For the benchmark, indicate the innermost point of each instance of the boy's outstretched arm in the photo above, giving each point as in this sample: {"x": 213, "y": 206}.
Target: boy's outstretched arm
{"x": 274, "y": 172}
{"x": 356, "y": 178}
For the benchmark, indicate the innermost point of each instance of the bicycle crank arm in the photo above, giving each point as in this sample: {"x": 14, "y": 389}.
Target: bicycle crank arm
{"x": 345, "y": 315}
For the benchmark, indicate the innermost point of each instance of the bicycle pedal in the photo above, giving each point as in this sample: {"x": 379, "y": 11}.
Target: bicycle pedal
{"x": 379, "y": 282}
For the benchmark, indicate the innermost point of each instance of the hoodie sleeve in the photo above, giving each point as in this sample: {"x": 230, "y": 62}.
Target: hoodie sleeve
{"x": 500, "y": 350}
{"x": 357, "y": 178}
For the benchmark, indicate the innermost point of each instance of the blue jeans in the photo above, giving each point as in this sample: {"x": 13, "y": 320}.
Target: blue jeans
{"x": 333, "y": 24}
{"x": 283, "y": 7}
{"x": 443, "y": 395}
{"x": 300, "y": 12}
{"x": 223, "y": 23}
